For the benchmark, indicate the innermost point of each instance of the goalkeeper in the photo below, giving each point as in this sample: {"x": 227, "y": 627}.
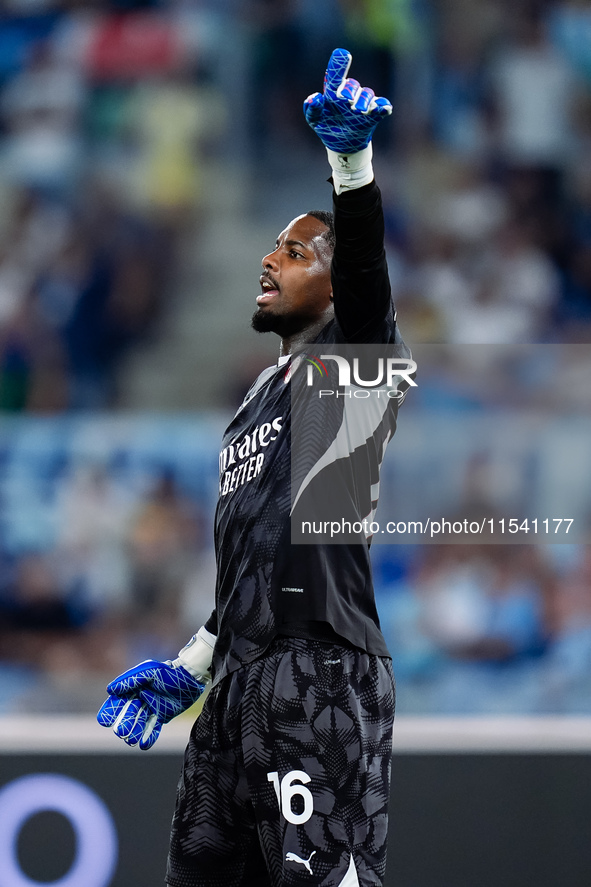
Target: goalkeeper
{"x": 287, "y": 771}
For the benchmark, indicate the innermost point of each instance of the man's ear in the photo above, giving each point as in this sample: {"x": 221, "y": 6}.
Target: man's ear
{"x": 331, "y": 297}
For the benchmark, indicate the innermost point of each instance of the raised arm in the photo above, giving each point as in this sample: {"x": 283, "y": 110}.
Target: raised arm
{"x": 344, "y": 116}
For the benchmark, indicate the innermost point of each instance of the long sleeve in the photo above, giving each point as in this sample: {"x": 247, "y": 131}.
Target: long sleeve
{"x": 361, "y": 287}
{"x": 212, "y": 623}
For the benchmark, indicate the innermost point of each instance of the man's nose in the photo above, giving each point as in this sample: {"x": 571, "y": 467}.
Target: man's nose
{"x": 270, "y": 261}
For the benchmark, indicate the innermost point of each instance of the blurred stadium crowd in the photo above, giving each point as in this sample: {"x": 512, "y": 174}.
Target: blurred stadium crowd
{"x": 108, "y": 115}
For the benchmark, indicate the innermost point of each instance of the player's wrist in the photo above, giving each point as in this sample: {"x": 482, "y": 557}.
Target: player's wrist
{"x": 196, "y": 656}
{"x": 351, "y": 170}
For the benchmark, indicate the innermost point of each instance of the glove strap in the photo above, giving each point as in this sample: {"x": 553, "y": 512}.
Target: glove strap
{"x": 196, "y": 656}
{"x": 350, "y": 171}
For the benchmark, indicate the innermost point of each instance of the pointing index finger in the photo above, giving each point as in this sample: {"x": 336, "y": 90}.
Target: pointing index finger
{"x": 337, "y": 70}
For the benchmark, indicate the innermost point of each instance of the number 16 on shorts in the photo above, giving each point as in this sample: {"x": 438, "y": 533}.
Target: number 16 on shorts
{"x": 289, "y": 791}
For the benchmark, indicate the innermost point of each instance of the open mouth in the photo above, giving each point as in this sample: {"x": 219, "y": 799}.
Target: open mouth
{"x": 270, "y": 290}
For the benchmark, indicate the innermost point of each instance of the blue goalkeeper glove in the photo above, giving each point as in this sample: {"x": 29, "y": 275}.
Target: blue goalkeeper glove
{"x": 145, "y": 697}
{"x": 345, "y": 115}
{"x": 150, "y": 694}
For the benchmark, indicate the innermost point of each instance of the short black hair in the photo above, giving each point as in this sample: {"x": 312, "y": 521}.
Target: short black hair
{"x": 327, "y": 219}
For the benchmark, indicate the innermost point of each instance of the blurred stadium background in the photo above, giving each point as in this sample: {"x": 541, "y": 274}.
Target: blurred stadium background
{"x": 150, "y": 154}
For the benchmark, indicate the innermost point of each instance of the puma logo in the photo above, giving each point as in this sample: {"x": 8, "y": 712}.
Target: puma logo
{"x": 292, "y": 857}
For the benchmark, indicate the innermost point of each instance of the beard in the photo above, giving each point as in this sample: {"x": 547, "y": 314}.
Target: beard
{"x": 284, "y": 325}
{"x": 263, "y": 323}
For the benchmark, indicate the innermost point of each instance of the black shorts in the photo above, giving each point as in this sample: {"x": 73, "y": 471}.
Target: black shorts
{"x": 287, "y": 773}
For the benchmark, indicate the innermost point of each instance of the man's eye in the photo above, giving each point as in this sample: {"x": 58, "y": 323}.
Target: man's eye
{"x": 294, "y": 252}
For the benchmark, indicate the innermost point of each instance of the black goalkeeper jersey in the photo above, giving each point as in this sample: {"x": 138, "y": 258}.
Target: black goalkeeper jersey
{"x": 267, "y": 586}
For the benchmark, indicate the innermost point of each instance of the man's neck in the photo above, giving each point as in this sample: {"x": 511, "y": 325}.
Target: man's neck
{"x": 294, "y": 343}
